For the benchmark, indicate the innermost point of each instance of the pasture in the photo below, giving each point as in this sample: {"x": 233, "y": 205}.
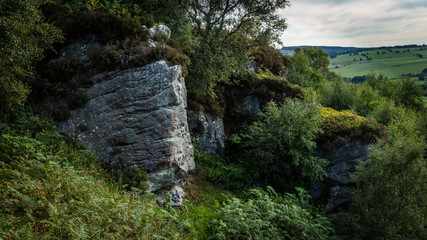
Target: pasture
{"x": 391, "y": 62}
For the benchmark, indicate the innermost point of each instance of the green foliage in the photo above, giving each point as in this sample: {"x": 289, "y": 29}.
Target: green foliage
{"x": 252, "y": 19}
{"x": 51, "y": 190}
{"x": 271, "y": 59}
{"x": 115, "y": 7}
{"x": 221, "y": 37}
{"x": 346, "y": 226}
{"x": 213, "y": 61}
{"x": 76, "y": 99}
{"x": 279, "y": 149}
{"x": 136, "y": 178}
{"x": 317, "y": 58}
{"x": 338, "y": 95}
{"x": 307, "y": 64}
{"x": 267, "y": 215}
{"x": 391, "y": 200}
{"x": 338, "y": 125}
{"x": 130, "y": 53}
{"x": 52, "y": 77}
{"x": 221, "y": 172}
{"x": 405, "y": 92}
{"x": 60, "y": 113}
{"x": 106, "y": 26}
{"x": 23, "y": 38}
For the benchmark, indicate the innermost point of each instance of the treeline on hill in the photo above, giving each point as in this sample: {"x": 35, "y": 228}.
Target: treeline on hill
{"x": 52, "y": 187}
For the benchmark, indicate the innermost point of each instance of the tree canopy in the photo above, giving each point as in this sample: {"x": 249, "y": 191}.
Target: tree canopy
{"x": 23, "y": 38}
{"x": 253, "y": 18}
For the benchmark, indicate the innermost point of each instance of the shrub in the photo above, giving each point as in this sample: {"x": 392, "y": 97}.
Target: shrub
{"x": 271, "y": 59}
{"x": 106, "y": 26}
{"x": 130, "y": 53}
{"x": 60, "y": 69}
{"x": 267, "y": 215}
{"x": 221, "y": 172}
{"x": 76, "y": 99}
{"x": 51, "y": 190}
{"x": 60, "y": 113}
{"x": 390, "y": 197}
{"x": 279, "y": 149}
{"x": 136, "y": 178}
{"x": 338, "y": 95}
{"x": 24, "y": 37}
{"x": 337, "y": 125}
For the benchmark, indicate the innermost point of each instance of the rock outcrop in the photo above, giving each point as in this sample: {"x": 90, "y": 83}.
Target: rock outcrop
{"x": 338, "y": 186}
{"x": 208, "y": 130}
{"x": 136, "y": 118}
{"x": 160, "y": 31}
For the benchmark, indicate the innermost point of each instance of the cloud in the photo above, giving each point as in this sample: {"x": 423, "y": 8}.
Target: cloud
{"x": 357, "y": 23}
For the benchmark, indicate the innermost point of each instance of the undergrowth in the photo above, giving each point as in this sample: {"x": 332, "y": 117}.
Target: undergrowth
{"x": 49, "y": 189}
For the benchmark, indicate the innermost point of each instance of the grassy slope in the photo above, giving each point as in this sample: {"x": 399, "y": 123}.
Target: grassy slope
{"x": 391, "y": 64}
{"x": 50, "y": 189}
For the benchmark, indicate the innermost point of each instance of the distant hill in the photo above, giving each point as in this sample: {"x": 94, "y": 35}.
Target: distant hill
{"x": 328, "y": 49}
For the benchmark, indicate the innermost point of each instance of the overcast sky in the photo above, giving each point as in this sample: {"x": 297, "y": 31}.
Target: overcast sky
{"x": 358, "y": 23}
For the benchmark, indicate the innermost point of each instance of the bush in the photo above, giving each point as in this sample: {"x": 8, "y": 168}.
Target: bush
{"x": 106, "y": 26}
{"x": 131, "y": 53}
{"x": 339, "y": 125}
{"x": 24, "y": 37}
{"x": 338, "y": 95}
{"x": 271, "y": 59}
{"x": 221, "y": 172}
{"x": 279, "y": 149}
{"x": 136, "y": 178}
{"x": 76, "y": 99}
{"x": 391, "y": 199}
{"x": 51, "y": 190}
{"x": 60, "y": 113}
{"x": 267, "y": 215}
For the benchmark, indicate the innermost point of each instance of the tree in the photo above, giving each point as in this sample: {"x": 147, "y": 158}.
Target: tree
{"x": 410, "y": 94}
{"x": 279, "y": 150}
{"x": 391, "y": 199}
{"x": 309, "y": 67}
{"x": 224, "y": 29}
{"x": 254, "y": 18}
{"x": 23, "y": 38}
{"x": 318, "y": 58}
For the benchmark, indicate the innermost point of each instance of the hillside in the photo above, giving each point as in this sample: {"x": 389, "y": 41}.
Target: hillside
{"x": 328, "y": 49}
{"x": 391, "y": 62}
{"x": 179, "y": 120}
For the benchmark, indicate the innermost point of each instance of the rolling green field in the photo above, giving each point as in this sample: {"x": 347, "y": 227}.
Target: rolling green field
{"x": 392, "y": 63}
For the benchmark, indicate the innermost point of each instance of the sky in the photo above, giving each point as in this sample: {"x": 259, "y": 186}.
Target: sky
{"x": 357, "y": 23}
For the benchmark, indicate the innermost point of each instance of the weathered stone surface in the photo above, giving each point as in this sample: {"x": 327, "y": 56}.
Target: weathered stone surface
{"x": 159, "y": 31}
{"x": 175, "y": 197}
{"x": 137, "y": 118}
{"x": 209, "y": 130}
{"x": 338, "y": 185}
{"x": 80, "y": 48}
{"x": 252, "y": 105}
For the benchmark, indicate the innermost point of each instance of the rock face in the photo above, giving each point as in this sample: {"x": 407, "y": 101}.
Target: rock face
{"x": 137, "y": 118}
{"x": 80, "y": 47}
{"x": 337, "y": 186}
{"x": 209, "y": 131}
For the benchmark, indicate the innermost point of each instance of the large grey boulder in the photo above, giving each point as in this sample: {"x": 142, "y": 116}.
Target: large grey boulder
{"x": 338, "y": 185}
{"x": 160, "y": 31}
{"x": 137, "y": 118}
{"x": 208, "y": 130}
